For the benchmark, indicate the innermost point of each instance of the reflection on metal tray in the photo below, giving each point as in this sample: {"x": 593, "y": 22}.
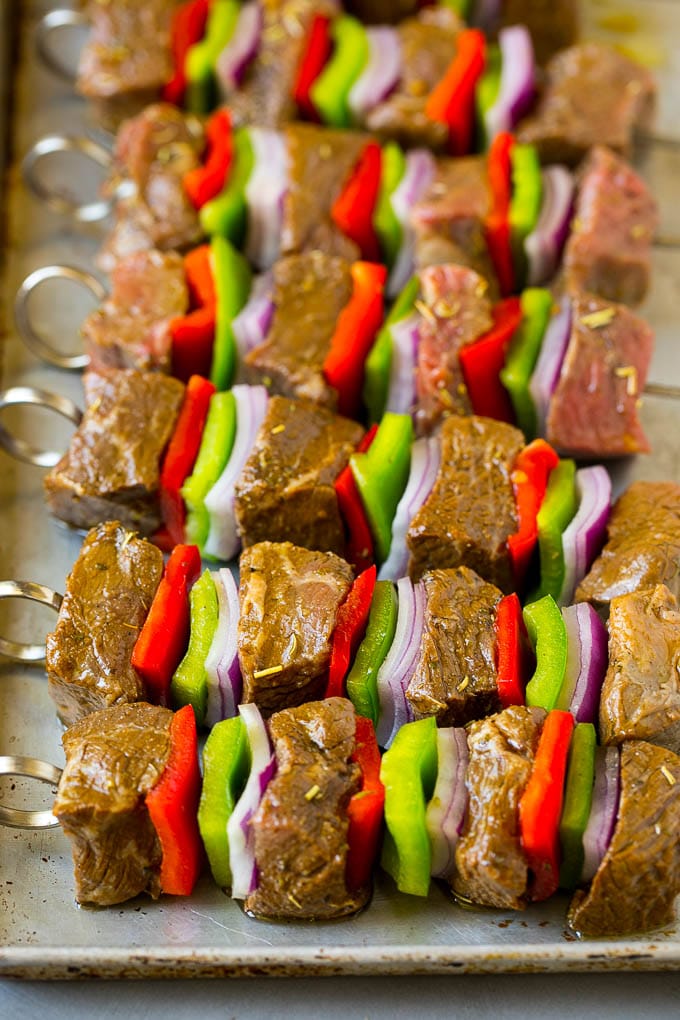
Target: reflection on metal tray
{"x": 43, "y": 933}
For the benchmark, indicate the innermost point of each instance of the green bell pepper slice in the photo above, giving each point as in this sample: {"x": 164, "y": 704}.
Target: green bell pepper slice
{"x": 525, "y": 204}
{"x": 227, "y": 214}
{"x": 226, "y": 767}
{"x": 202, "y": 57}
{"x": 548, "y": 634}
{"x": 578, "y": 798}
{"x": 330, "y": 91}
{"x": 386, "y": 225}
{"x": 189, "y": 685}
{"x": 379, "y": 361}
{"x": 381, "y": 475}
{"x": 461, "y": 7}
{"x": 557, "y": 509}
{"x": 409, "y": 773}
{"x": 362, "y": 681}
{"x": 522, "y": 356}
{"x": 486, "y": 92}
{"x": 233, "y": 280}
{"x": 214, "y": 452}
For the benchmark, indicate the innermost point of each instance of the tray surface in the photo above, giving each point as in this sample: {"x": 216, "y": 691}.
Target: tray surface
{"x": 42, "y": 932}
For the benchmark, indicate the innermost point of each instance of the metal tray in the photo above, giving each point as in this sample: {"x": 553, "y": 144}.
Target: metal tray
{"x": 43, "y": 933}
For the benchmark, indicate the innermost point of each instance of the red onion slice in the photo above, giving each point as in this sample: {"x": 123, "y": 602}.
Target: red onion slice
{"x": 543, "y": 247}
{"x": 583, "y": 538}
{"x": 239, "y": 832}
{"x": 547, "y": 372}
{"x": 604, "y": 812}
{"x": 425, "y": 463}
{"x": 223, "y": 542}
{"x": 240, "y": 50}
{"x": 518, "y": 81}
{"x": 251, "y": 325}
{"x": 265, "y": 192}
{"x": 586, "y": 663}
{"x": 418, "y": 175}
{"x": 222, "y": 665}
{"x": 396, "y": 671}
{"x": 445, "y": 814}
{"x": 401, "y": 391}
{"x": 380, "y": 76}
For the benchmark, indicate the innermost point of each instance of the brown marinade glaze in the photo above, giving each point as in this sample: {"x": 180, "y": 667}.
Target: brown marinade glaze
{"x": 113, "y": 759}
{"x": 310, "y": 292}
{"x": 320, "y": 162}
{"x": 301, "y": 825}
{"x": 289, "y": 600}
{"x": 640, "y": 698}
{"x": 107, "y": 599}
{"x": 285, "y": 492}
{"x": 111, "y": 470}
{"x": 491, "y": 867}
{"x": 639, "y": 878}
{"x": 470, "y": 513}
{"x": 455, "y": 678}
{"x": 642, "y": 548}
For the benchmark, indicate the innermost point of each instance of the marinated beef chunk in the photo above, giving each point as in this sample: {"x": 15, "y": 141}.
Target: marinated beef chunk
{"x": 428, "y": 46}
{"x": 636, "y": 885}
{"x": 301, "y": 825}
{"x": 594, "y": 409}
{"x": 111, "y": 470}
{"x": 642, "y": 548}
{"x": 455, "y": 312}
{"x": 491, "y": 866}
{"x": 470, "y": 513}
{"x": 108, "y": 594}
{"x": 285, "y": 491}
{"x": 608, "y": 251}
{"x": 640, "y": 697}
{"x": 132, "y": 327}
{"x": 594, "y": 95}
{"x": 455, "y": 678}
{"x": 113, "y": 759}
{"x": 289, "y": 599}
{"x": 127, "y": 58}
{"x": 319, "y": 164}
{"x": 153, "y": 153}
{"x": 554, "y": 24}
{"x": 449, "y": 219}
{"x": 310, "y": 291}
{"x": 265, "y": 97}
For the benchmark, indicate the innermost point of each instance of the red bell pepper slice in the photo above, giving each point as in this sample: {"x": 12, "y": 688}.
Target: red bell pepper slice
{"x": 350, "y": 627}
{"x": 354, "y": 208}
{"x": 193, "y": 338}
{"x": 186, "y": 28}
{"x": 357, "y": 325}
{"x": 514, "y": 664}
{"x": 365, "y": 809}
{"x": 529, "y": 481}
{"x": 497, "y": 227}
{"x": 314, "y": 59}
{"x": 164, "y": 638}
{"x": 540, "y": 806}
{"x": 173, "y": 806}
{"x": 359, "y": 545}
{"x": 205, "y": 182}
{"x": 181, "y": 453}
{"x": 481, "y": 363}
{"x": 199, "y": 275}
{"x": 452, "y": 101}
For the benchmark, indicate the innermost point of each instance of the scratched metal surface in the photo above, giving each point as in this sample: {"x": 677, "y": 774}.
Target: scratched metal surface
{"x": 42, "y": 932}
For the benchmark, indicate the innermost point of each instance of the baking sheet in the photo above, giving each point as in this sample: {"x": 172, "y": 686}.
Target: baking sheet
{"x": 42, "y": 931}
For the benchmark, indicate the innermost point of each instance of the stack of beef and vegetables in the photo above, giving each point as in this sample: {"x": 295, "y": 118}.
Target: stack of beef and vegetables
{"x": 373, "y": 279}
